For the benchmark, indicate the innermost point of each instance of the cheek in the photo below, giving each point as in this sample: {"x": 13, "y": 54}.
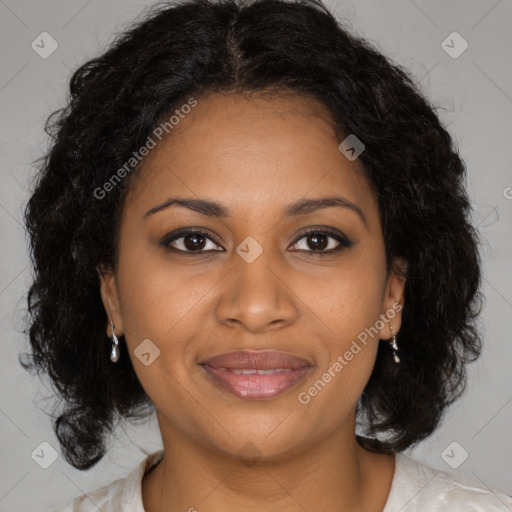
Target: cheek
{"x": 155, "y": 294}
{"x": 166, "y": 305}
{"x": 344, "y": 368}
{"x": 348, "y": 303}
{"x": 158, "y": 319}
{"x": 348, "y": 298}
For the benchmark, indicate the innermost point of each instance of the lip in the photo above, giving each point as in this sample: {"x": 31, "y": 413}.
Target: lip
{"x": 259, "y": 360}
{"x": 256, "y": 375}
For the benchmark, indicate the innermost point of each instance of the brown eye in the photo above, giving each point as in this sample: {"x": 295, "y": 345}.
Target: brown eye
{"x": 194, "y": 242}
{"x": 317, "y": 241}
{"x": 191, "y": 241}
{"x": 322, "y": 242}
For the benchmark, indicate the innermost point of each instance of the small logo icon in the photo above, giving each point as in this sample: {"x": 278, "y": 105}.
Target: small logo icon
{"x": 351, "y": 147}
{"x": 249, "y": 454}
{"x": 454, "y": 455}
{"x": 454, "y": 45}
{"x": 44, "y": 455}
{"x": 44, "y": 45}
{"x": 249, "y": 249}
{"x": 146, "y": 352}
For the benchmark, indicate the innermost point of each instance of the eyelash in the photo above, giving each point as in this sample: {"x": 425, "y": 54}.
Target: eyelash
{"x": 344, "y": 241}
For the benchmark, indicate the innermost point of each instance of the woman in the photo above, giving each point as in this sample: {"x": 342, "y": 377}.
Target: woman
{"x": 253, "y": 223}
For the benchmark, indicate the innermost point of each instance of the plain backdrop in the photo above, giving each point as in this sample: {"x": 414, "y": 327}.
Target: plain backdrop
{"x": 474, "y": 93}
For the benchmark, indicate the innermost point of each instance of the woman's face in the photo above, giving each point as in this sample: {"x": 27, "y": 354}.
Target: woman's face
{"x": 254, "y": 280}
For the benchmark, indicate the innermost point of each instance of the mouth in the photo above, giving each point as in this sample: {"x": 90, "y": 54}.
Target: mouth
{"x": 256, "y": 375}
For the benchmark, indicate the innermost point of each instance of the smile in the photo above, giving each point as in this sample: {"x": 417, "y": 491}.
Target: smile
{"x": 256, "y": 384}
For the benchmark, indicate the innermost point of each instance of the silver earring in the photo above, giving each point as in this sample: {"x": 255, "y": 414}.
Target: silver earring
{"x": 394, "y": 346}
{"x": 114, "y": 355}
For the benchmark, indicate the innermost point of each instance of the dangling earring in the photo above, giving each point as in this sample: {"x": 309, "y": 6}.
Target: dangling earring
{"x": 394, "y": 346}
{"x": 114, "y": 355}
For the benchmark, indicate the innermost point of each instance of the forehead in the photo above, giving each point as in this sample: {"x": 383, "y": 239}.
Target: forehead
{"x": 252, "y": 154}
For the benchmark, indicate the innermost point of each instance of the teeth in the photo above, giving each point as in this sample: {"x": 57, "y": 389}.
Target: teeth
{"x": 259, "y": 372}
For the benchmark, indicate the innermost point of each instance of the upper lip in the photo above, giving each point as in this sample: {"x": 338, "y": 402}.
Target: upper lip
{"x": 262, "y": 360}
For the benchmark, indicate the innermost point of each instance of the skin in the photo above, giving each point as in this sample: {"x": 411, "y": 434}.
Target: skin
{"x": 254, "y": 155}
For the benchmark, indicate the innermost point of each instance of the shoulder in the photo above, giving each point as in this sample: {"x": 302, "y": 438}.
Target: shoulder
{"x": 96, "y": 500}
{"x": 417, "y": 487}
{"x": 122, "y": 495}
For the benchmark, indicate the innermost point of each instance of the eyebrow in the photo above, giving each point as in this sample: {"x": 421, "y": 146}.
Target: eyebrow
{"x": 300, "y": 207}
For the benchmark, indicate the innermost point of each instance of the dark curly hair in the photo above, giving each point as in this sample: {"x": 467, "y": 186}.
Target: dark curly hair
{"x": 195, "y": 47}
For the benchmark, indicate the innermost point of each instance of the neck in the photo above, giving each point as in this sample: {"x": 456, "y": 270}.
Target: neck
{"x": 334, "y": 474}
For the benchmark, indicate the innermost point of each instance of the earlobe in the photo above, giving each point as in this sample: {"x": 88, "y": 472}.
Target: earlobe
{"x": 110, "y": 297}
{"x": 394, "y": 299}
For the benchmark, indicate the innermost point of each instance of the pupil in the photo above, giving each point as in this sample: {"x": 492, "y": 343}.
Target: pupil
{"x": 195, "y": 245}
{"x": 317, "y": 241}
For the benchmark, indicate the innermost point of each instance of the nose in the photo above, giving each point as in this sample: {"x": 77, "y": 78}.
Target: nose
{"x": 256, "y": 296}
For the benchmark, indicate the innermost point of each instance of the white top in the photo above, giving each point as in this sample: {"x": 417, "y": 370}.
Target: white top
{"x": 415, "y": 487}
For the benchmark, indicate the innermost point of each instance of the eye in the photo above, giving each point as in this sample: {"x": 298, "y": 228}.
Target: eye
{"x": 191, "y": 241}
{"x": 197, "y": 241}
{"x": 318, "y": 240}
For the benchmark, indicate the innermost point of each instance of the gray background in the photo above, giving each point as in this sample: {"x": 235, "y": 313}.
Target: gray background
{"x": 475, "y": 90}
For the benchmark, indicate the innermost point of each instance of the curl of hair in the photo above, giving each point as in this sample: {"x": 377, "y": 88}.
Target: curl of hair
{"x": 189, "y": 49}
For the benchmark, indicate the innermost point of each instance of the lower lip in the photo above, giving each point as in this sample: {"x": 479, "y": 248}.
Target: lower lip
{"x": 254, "y": 386}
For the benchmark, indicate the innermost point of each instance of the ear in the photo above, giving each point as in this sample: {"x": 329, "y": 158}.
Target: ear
{"x": 393, "y": 300}
{"x": 110, "y": 298}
